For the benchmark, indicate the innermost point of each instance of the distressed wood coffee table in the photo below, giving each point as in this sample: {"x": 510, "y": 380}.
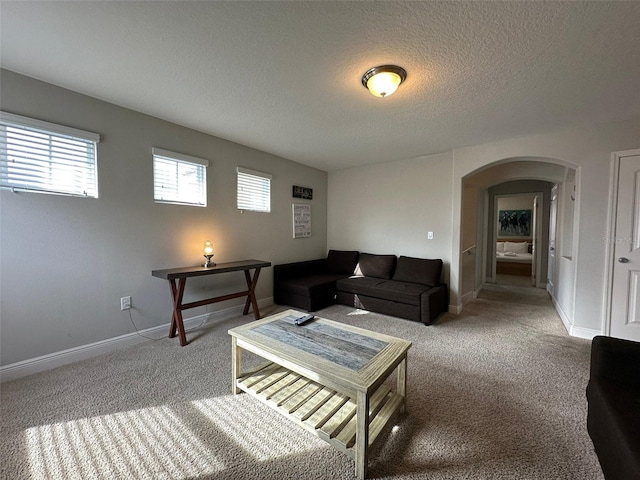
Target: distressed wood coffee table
{"x": 325, "y": 376}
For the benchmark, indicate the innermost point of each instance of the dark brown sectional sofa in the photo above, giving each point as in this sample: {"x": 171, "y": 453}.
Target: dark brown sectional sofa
{"x": 404, "y": 287}
{"x": 613, "y": 416}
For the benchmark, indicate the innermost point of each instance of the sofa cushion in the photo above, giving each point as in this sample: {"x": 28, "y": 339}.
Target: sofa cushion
{"x": 311, "y": 285}
{"x": 401, "y": 292}
{"x": 342, "y": 261}
{"x": 418, "y": 270}
{"x": 378, "y": 305}
{"x": 378, "y": 266}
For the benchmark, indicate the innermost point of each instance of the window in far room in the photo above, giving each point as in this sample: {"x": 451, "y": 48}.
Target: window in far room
{"x": 44, "y": 157}
{"x": 179, "y": 179}
{"x": 254, "y": 190}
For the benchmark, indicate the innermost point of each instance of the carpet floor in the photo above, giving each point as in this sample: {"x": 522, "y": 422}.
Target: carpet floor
{"x": 497, "y": 392}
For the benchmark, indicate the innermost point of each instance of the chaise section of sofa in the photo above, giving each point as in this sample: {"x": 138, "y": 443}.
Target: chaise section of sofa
{"x": 613, "y": 416}
{"x": 406, "y": 287}
{"x": 311, "y": 285}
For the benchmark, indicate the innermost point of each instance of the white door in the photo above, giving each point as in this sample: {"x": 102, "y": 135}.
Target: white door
{"x": 625, "y": 300}
{"x": 553, "y": 215}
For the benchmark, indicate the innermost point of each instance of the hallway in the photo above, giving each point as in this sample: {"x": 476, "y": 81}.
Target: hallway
{"x": 517, "y": 280}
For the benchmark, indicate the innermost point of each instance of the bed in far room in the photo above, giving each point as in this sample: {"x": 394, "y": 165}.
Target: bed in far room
{"x": 513, "y": 258}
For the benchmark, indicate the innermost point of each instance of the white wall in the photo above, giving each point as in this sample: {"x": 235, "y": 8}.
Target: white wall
{"x": 65, "y": 262}
{"x": 472, "y": 223}
{"x": 390, "y": 208}
{"x": 588, "y": 149}
{"x": 519, "y": 202}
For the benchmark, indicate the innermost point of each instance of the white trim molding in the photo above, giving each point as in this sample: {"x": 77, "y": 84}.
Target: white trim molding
{"x": 572, "y": 330}
{"x": 455, "y": 309}
{"x": 467, "y": 297}
{"x": 83, "y": 352}
{"x": 581, "y": 332}
{"x": 21, "y": 121}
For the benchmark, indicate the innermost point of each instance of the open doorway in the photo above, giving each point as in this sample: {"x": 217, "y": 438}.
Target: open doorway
{"x": 479, "y": 223}
{"x": 479, "y": 226}
{"x": 516, "y": 239}
{"x": 516, "y": 232}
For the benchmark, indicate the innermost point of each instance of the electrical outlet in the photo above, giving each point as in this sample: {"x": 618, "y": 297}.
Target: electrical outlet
{"x": 125, "y": 303}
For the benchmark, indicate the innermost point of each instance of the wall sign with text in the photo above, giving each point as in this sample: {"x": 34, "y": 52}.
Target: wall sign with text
{"x": 301, "y": 220}
{"x": 303, "y": 192}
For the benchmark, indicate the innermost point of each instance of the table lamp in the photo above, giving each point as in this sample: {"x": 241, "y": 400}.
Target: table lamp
{"x": 208, "y": 253}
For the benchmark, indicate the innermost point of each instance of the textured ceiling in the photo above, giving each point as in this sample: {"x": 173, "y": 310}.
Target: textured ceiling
{"x": 284, "y": 77}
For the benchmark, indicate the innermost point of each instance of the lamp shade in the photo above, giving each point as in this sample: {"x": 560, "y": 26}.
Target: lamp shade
{"x": 208, "y": 248}
{"x": 384, "y": 80}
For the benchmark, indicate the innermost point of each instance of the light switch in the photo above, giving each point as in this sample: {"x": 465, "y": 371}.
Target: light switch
{"x": 430, "y": 235}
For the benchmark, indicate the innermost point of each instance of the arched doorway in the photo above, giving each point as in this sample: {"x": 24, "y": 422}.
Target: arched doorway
{"x": 478, "y": 226}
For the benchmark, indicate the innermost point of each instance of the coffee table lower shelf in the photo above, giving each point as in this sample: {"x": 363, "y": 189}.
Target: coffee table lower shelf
{"x": 318, "y": 409}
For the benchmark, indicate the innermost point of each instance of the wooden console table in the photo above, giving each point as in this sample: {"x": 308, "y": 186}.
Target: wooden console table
{"x": 178, "y": 279}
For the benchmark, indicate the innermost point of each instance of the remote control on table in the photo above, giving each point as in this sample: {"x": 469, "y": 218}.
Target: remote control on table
{"x": 302, "y": 320}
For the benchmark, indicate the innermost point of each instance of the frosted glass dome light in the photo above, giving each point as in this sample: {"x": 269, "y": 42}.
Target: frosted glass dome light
{"x": 384, "y": 80}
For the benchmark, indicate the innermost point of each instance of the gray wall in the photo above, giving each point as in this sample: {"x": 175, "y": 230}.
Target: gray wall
{"x": 65, "y": 262}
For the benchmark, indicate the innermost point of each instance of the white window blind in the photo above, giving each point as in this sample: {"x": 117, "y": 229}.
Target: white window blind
{"x": 254, "y": 190}
{"x": 44, "y": 157}
{"x": 179, "y": 178}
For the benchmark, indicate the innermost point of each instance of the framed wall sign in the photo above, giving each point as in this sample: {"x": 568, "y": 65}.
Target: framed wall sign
{"x": 301, "y": 220}
{"x": 303, "y": 192}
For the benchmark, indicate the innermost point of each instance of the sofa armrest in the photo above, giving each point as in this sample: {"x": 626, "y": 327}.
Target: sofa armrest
{"x": 433, "y": 302}
{"x": 615, "y": 360}
{"x": 298, "y": 269}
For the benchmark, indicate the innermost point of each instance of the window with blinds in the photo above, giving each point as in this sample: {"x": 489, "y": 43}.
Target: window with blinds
{"x": 179, "y": 178}
{"x": 44, "y": 157}
{"x": 254, "y": 190}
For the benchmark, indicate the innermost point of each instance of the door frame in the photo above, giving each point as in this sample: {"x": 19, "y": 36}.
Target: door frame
{"x": 491, "y": 227}
{"x": 552, "y": 259}
{"x": 616, "y": 157}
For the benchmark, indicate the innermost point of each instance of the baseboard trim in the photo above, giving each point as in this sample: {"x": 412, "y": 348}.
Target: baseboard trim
{"x": 566, "y": 321}
{"x": 580, "y": 332}
{"x": 83, "y": 352}
{"x": 467, "y": 297}
{"x": 455, "y": 309}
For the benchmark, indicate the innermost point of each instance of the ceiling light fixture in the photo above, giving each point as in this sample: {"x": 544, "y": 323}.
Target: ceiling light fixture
{"x": 382, "y": 81}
